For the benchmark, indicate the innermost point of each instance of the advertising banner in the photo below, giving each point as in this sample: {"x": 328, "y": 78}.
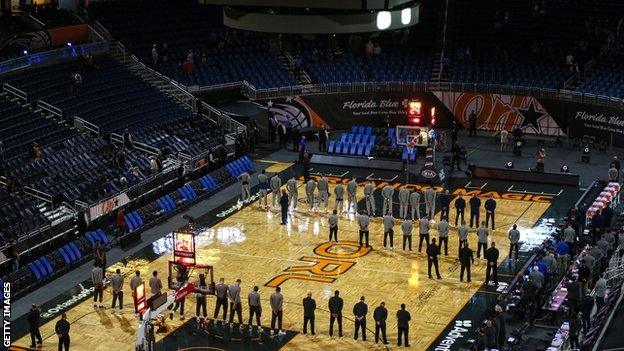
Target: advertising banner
{"x": 106, "y": 206}
{"x": 493, "y": 111}
{"x": 342, "y": 110}
{"x": 605, "y": 123}
{"x": 496, "y": 112}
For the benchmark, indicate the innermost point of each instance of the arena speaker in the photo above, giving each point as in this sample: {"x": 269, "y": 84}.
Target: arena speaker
{"x": 319, "y": 16}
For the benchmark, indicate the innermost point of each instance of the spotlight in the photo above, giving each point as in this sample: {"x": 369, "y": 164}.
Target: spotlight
{"x": 509, "y": 164}
{"x": 406, "y": 16}
{"x": 384, "y": 19}
{"x": 565, "y": 169}
{"x": 69, "y": 44}
{"x": 25, "y": 52}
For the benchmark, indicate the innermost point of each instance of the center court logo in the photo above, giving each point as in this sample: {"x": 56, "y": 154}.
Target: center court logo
{"x": 458, "y": 332}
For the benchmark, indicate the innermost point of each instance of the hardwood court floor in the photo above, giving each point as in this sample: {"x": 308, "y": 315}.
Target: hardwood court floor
{"x": 251, "y": 244}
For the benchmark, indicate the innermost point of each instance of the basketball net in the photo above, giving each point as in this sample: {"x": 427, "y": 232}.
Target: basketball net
{"x": 410, "y": 146}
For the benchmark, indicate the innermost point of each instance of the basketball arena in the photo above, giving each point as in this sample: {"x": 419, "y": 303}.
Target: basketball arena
{"x": 311, "y": 175}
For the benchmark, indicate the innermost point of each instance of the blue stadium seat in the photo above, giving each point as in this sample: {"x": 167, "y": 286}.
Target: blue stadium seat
{"x": 360, "y": 149}
{"x": 102, "y": 236}
{"x": 354, "y": 129}
{"x": 35, "y": 271}
{"x": 47, "y": 265}
{"x": 330, "y": 146}
{"x": 64, "y": 255}
{"x": 345, "y": 148}
{"x": 353, "y": 149}
{"x": 77, "y": 252}
{"x": 70, "y": 253}
{"x": 368, "y": 149}
{"x": 42, "y": 269}
{"x": 338, "y": 149}
{"x": 91, "y": 237}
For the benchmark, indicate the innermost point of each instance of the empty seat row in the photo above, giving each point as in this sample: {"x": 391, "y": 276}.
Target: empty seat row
{"x": 238, "y": 167}
{"x": 356, "y": 149}
{"x": 133, "y": 221}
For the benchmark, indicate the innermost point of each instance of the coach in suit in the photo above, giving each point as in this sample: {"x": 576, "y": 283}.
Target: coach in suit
{"x": 491, "y": 255}
{"x": 335, "y": 313}
{"x": 466, "y": 258}
{"x": 475, "y": 206}
{"x": 490, "y": 208}
{"x": 380, "y": 315}
{"x": 460, "y": 206}
{"x": 360, "y": 310}
{"x": 403, "y": 318}
{"x": 433, "y": 251}
{"x": 309, "y": 306}
{"x": 284, "y": 206}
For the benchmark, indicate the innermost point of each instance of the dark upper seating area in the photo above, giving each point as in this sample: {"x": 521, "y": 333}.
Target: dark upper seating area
{"x": 19, "y": 215}
{"x": 536, "y": 44}
{"x": 607, "y": 77}
{"x": 110, "y": 97}
{"x": 78, "y": 168}
{"x": 404, "y": 55}
{"x": 190, "y": 136}
{"x": 220, "y": 55}
{"x": 20, "y": 127}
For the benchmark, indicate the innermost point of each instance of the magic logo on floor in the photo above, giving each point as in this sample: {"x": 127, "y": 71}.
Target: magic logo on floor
{"x": 439, "y": 189}
{"x": 332, "y": 260}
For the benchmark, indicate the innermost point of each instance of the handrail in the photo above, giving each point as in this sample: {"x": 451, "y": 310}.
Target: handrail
{"x": 7, "y": 88}
{"x": 41, "y": 195}
{"x": 80, "y": 123}
{"x": 83, "y": 206}
{"x": 51, "y": 109}
{"x": 146, "y": 148}
{"x": 223, "y": 120}
{"x": 116, "y": 139}
{"x": 51, "y": 55}
{"x": 609, "y": 320}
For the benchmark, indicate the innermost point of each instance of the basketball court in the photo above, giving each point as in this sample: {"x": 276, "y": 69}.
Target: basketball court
{"x": 249, "y": 243}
